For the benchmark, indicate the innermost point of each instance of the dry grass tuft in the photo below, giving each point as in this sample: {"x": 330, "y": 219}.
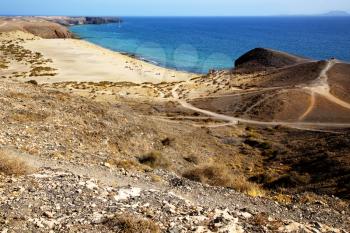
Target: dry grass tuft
{"x": 125, "y": 164}
{"x": 219, "y": 175}
{"x": 42, "y": 71}
{"x": 33, "y": 82}
{"x": 3, "y": 66}
{"x": 29, "y": 116}
{"x": 262, "y": 219}
{"x": 311, "y": 198}
{"x": 155, "y": 178}
{"x": 127, "y": 223}
{"x": 283, "y": 198}
{"x": 10, "y": 164}
{"x": 192, "y": 159}
{"x": 293, "y": 179}
{"x": 155, "y": 159}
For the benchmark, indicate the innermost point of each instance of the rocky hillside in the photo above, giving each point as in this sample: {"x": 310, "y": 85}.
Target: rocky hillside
{"x": 262, "y": 58}
{"x": 67, "y": 21}
{"x": 35, "y": 26}
{"x": 49, "y": 27}
{"x": 58, "y": 173}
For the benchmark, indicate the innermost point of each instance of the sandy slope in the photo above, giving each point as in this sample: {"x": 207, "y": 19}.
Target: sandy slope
{"x": 34, "y": 25}
{"x": 78, "y": 60}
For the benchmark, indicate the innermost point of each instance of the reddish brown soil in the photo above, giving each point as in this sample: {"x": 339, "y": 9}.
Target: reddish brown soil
{"x": 339, "y": 81}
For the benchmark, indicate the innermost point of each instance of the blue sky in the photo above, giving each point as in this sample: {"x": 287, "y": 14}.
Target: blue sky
{"x": 170, "y": 8}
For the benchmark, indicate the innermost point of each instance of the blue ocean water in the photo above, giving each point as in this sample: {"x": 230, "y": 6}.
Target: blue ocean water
{"x": 199, "y": 44}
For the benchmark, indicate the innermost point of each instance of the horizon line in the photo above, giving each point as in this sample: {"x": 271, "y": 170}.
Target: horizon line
{"x": 177, "y": 16}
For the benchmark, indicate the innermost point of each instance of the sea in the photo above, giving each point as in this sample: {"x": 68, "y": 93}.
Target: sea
{"x": 198, "y": 44}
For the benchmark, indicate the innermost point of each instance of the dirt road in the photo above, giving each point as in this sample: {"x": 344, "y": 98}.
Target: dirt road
{"x": 320, "y": 87}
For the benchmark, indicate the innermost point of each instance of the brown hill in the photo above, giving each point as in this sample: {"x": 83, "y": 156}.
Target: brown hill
{"x": 298, "y": 91}
{"x": 35, "y": 26}
{"x": 298, "y": 109}
{"x": 262, "y": 58}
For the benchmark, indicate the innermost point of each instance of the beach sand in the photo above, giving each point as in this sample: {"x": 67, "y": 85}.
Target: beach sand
{"x": 78, "y": 60}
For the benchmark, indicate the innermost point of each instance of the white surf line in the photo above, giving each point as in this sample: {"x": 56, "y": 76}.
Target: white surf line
{"x": 236, "y": 120}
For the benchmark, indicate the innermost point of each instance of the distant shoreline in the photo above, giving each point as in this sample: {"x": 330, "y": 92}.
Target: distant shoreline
{"x": 83, "y": 61}
{"x": 206, "y": 51}
{"x": 140, "y": 58}
{"x": 133, "y": 55}
{"x": 215, "y": 43}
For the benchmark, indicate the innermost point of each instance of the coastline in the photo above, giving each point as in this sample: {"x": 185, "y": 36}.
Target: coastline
{"x": 136, "y": 56}
{"x": 80, "y": 60}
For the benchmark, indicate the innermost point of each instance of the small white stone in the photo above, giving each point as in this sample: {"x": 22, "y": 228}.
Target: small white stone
{"x": 124, "y": 194}
{"x": 246, "y": 215}
{"x": 97, "y": 218}
{"x": 91, "y": 185}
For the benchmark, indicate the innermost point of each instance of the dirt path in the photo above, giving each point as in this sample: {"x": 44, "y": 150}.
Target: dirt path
{"x": 236, "y": 120}
{"x": 184, "y": 104}
{"x": 321, "y": 86}
{"x": 310, "y": 108}
{"x": 246, "y": 92}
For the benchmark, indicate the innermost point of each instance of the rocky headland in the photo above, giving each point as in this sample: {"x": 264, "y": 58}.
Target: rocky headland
{"x": 68, "y": 21}
{"x": 50, "y": 27}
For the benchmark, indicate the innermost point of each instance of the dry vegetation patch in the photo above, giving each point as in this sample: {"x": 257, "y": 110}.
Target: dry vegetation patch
{"x": 3, "y": 65}
{"x": 10, "y": 164}
{"x": 37, "y": 63}
{"x": 126, "y": 164}
{"x": 127, "y": 223}
{"x": 42, "y": 71}
{"x": 154, "y": 159}
{"x": 29, "y": 116}
{"x": 220, "y": 175}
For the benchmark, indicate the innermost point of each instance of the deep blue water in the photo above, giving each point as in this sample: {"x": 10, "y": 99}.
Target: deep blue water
{"x": 200, "y": 44}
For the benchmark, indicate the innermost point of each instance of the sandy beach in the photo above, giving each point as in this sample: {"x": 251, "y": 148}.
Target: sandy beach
{"x": 78, "y": 60}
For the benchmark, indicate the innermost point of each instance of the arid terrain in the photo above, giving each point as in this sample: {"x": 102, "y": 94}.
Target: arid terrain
{"x": 96, "y": 141}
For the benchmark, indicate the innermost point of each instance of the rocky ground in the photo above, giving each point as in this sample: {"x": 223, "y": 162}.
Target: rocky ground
{"x": 58, "y": 200}
{"x": 68, "y": 194}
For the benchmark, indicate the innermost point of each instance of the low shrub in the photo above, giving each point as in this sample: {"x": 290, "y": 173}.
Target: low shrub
{"x": 155, "y": 159}
{"x": 42, "y": 71}
{"x": 219, "y": 175}
{"x": 33, "y": 82}
{"x": 192, "y": 159}
{"x": 127, "y": 223}
{"x": 290, "y": 180}
{"x": 125, "y": 164}
{"x": 11, "y": 164}
{"x": 257, "y": 143}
